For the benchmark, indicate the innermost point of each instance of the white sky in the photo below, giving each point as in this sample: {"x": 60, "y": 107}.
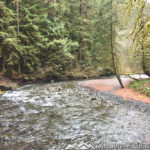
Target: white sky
{"x": 148, "y": 1}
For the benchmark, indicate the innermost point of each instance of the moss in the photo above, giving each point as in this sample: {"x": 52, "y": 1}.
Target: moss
{"x": 142, "y": 86}
{"x": 1, "y": 92}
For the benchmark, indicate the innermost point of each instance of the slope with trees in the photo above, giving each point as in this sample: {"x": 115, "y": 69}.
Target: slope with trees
{"x": 48, "y": 39}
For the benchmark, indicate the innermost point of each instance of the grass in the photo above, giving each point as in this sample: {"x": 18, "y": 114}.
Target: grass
{"x": 142, "y": 86}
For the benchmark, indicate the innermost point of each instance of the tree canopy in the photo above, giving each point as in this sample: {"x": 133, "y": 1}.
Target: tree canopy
{"x": 52, "y": 38}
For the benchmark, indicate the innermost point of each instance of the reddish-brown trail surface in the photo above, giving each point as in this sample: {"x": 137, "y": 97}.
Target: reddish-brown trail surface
{"x": 112, "y": 86}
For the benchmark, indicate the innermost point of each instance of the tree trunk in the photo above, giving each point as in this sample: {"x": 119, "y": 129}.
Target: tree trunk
{"x": 143, "y": 62}
{"x": 18, "y": 29}
{"x": 80, "y": 40}
{"x": 143, "y": 49}
{"x": 112, "y": 50}
{"x": 3, "y": 66}
{"x": 17, "y": 11}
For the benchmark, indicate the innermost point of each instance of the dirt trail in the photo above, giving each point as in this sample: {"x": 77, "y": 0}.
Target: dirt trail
{"x": 112, "y": 86}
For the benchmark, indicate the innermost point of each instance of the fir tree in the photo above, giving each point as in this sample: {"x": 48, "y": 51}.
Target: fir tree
{"x": 9, "y": 49}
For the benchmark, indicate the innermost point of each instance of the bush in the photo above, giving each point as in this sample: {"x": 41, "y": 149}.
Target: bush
{"x": 106, "y": 72}
{"x": 143, "y": 86}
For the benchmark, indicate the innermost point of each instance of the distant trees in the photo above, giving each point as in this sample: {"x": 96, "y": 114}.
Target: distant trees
{"x": 141, "y": 30}
{"x": 104, "y": 49}
{"x": 101, "y": 50}
{"x": 54, "y": 36}
{"x": 112, "y": 42}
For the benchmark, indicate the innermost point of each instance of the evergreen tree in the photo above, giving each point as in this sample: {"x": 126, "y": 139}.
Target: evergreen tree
{"x": 101, "y": 50}
{"x": 53, "y": 36}
{"x": 9, "y": 49}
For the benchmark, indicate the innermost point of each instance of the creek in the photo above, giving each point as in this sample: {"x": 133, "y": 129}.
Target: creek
{"x": 60, "y": 115}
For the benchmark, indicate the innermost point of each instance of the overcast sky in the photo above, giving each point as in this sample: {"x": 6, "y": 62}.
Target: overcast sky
{"x": 148, "y": 1}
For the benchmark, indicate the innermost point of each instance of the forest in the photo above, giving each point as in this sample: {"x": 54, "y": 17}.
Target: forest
{"x": 61, "y": 39}
{"x": 74, "y": 74}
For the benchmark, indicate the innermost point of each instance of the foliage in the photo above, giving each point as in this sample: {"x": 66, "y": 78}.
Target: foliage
{"x": 101, "y": 50}
{"x": 50, "y": 37}
{"x": 9, "y": 49}
{"x": 143, "y": 86}
{"x": 140, "y": 31}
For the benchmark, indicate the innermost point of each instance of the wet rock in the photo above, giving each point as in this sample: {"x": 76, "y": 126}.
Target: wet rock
{"x": 90, "y": 93}
{"x": 5, "y": 88}
{"x": 6, "y": 139}
{"x": 59, "y": 89}
{"x": 93, "y": 98}
{"x": 52, "y": 81}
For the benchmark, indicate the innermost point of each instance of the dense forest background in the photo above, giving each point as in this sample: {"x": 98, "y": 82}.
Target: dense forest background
{"x": 59, "y": 39}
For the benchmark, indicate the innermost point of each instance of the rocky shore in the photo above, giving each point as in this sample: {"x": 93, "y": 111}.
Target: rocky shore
{"x": 99, "y": 96}
{"x": 111, "y": 86}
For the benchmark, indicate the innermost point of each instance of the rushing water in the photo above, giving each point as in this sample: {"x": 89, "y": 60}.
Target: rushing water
{"x": 62, "y": 115}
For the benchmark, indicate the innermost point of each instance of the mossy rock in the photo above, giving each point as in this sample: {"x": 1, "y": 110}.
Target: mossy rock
{"x": 1, "y": 92}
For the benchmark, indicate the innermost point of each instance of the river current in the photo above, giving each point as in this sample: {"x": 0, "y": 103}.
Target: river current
{"x": 63, "y": 116}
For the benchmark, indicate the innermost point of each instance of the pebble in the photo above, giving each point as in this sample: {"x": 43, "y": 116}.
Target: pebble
{"x": 103, "y": 96}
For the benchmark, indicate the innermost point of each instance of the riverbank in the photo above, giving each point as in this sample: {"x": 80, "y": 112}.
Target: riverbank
{"x": 142, "y": 86}
{"x": 7, "y": 84}
{"x": 107, "y": 85}
{"x": 112, "y": 86}
{"x": 10, "y": 84}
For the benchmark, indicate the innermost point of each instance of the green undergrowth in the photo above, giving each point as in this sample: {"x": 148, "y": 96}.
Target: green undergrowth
{"x": 142, "y": 86}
